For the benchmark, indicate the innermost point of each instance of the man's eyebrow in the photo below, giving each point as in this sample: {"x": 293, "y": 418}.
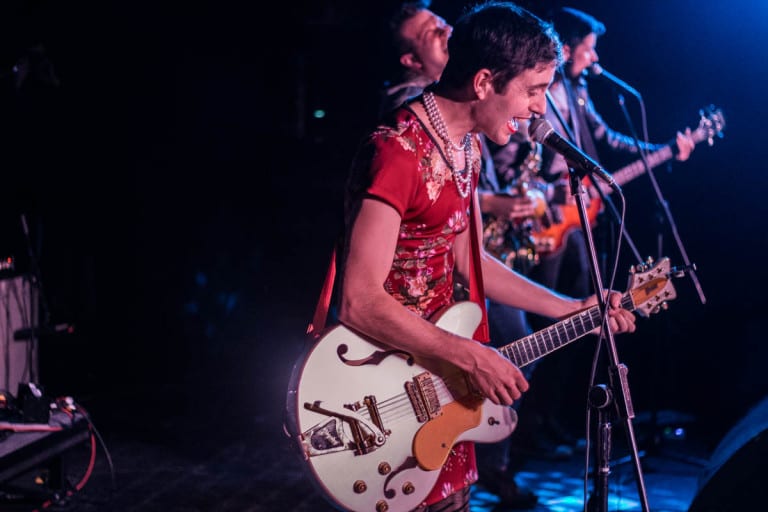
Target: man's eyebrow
{"x": 543, "y": 85}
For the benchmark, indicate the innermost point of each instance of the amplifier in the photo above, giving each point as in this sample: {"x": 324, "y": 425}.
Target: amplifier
{"x": 18, "y": 310}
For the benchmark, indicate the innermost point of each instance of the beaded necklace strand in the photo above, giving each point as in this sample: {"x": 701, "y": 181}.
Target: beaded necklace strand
{"x": 463, "y": 179}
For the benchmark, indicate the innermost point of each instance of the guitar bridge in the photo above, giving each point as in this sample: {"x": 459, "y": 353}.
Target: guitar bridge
{"x": 330, "y": 436}
{"x": 366, "y": 441}
{"x": 423, "y": 395}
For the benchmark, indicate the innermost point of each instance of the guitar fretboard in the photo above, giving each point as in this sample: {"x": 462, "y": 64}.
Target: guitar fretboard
{"x": 534, "y": 346}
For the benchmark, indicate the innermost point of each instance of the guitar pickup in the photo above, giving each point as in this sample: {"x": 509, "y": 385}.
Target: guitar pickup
{"x": 423, "y": 396}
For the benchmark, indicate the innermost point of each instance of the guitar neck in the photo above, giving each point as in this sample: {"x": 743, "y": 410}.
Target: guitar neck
{"x": 534, "y": 346}
{"x": 637, "y": 168}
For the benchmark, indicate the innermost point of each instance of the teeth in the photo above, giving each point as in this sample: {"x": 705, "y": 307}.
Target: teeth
{"x": 512, "y": 125}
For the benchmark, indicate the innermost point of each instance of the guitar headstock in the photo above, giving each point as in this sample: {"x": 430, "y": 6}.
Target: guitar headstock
{"x": 650, "y": 286}
{"x": 711, "y": 125}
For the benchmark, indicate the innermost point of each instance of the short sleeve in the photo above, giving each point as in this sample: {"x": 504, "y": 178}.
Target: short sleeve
{"x": 394, "y": 172}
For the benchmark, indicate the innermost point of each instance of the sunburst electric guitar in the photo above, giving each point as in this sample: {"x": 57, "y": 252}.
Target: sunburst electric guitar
{"x": 711, "y": 125}
{"x": 374, "y": 425}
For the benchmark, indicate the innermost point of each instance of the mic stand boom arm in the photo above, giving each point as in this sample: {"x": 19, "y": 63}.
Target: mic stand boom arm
{"x": 663, "y": 204}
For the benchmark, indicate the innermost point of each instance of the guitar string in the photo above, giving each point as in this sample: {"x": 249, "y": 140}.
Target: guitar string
{"x": 400, "y": 406}
{"x": 529, "y": 348}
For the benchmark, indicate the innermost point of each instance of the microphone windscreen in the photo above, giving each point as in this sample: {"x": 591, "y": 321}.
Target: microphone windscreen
{"x": 539, "y": 129}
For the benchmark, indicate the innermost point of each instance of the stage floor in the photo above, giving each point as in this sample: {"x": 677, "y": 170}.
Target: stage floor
{"x": 158, "y": 464}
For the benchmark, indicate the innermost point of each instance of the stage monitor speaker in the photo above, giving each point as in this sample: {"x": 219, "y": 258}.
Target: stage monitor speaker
{"x": 18, "y": 310}
{"x": 736, "y": 477}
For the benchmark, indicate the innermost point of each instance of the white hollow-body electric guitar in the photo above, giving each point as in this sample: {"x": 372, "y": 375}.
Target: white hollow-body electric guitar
{"x": 374, "y": 425}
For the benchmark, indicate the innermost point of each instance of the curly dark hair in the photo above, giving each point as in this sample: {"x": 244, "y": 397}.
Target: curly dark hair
{"x": 502, "y": 37}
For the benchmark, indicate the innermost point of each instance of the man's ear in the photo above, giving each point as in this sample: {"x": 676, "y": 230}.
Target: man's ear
{"x": 409, "y": 61}
{"x": 566, "y": 53}
{"x": 483, "y": 83}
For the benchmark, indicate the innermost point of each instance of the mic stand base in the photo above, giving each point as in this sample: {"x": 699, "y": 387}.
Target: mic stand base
{"x": 600, "y": 397}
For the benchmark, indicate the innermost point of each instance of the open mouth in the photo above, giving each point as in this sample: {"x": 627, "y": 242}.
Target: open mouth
{"x": 512, "y": 125}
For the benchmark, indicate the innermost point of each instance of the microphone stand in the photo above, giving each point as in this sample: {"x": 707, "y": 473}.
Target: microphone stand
{"x": 603, "y": 396}
{"x": 655, "y": 434}
{"x": 661, "y": 202}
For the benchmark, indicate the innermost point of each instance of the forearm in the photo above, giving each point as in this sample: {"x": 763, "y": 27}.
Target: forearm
{"x": 623, "y": 143}
{"x": 508, "y": 287}
{"x": 494, "y": 204}
{"x": 505, "y": 286}
{"x": 368, "y": 308}
{"x": 377, "y": 314}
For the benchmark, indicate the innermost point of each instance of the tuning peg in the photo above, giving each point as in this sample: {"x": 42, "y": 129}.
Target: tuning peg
{"x": 680, "y": 271}
{"x": 642, "y": 266}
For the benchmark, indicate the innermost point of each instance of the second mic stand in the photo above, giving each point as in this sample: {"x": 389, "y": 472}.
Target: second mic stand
{"x": 663, "y": 214}
{"x": 617, "y": 392}
{"x": 662, "y": 202}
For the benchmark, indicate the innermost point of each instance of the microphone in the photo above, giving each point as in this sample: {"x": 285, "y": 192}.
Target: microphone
{"x": 597, "y": 70}
{"x": 541, "y": 131}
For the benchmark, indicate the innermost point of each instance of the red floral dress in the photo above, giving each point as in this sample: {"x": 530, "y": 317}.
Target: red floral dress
{"x": 405, "y": 169}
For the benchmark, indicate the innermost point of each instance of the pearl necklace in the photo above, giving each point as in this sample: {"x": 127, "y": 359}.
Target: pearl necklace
{"x": 463, "y": 179}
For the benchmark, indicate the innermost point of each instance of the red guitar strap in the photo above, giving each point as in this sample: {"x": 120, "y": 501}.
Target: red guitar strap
{"x": 476, "y": 289}
{"x": 323, "y": 304}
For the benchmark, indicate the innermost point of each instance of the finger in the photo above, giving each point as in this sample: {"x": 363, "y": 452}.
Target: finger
{"x": 616, "y": 326}
{"x": 502, "y": 396}
{"x": 625, "y": 321}
{"x": 626, "y": 325}
{"x": 614, "y": 300}
{"x": 513, "y": 393}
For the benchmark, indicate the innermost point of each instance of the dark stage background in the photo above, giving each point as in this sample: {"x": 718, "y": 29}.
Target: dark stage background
{"x": 183, "y": 199}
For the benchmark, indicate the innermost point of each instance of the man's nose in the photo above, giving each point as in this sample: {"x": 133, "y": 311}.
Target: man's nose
{"x": 538, "y": 106}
